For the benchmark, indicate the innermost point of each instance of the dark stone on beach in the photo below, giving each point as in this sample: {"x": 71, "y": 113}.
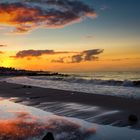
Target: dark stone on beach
{"x": 136, "y": 83}
{"x": 25, "y": 86}
{"x": 36, "y": 97}
{"x": 49, "y": 136}
{"x": 132, "y": 119}
{"x": 29, "y": 86}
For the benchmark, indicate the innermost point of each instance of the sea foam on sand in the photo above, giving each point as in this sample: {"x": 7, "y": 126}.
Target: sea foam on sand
{"x": 28, "y": 123}
{"x": 86, "y": 87}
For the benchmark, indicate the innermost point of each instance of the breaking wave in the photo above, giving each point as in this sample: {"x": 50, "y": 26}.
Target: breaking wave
{"x": 110, "y": 82}
{"x": 125, "y": 89}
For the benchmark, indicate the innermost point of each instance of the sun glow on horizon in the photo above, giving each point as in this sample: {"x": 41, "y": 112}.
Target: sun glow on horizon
{"x": 82, "y": 42}
{"x": 7, "y": 62}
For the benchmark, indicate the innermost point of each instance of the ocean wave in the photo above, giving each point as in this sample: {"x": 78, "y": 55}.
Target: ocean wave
{"x": 111, "y": 82}
{"x": 78, "y": 85}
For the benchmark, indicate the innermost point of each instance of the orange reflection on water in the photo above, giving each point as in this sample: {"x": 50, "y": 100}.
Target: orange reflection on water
{"x": 20, "y": 127}
{"x": 18, "y": 122}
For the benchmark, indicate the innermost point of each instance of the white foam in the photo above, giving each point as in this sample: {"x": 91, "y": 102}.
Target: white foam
{"x": 121, "y": 91}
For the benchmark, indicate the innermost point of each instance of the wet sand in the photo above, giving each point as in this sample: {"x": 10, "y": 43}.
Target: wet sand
{"x": 99, "y": 109}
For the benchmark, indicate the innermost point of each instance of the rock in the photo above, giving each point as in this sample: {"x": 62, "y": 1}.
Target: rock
{"x": 136, "y": 83}
{"x": 29, "y": 86}
{"x": 49, "y": 136}
{"x": 132, "y": 118}
{"x": 24, "y": 86}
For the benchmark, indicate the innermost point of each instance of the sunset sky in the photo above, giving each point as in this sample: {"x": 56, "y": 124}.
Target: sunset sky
{"x": 70, "y": 35}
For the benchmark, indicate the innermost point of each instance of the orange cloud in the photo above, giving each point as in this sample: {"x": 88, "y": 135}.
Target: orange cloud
{"x": 27, "y": 15}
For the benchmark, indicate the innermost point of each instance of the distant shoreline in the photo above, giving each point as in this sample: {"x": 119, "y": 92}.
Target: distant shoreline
{"x": 15, "y": 72}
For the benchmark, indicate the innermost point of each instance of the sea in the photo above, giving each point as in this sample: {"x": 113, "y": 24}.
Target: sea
{"x": 122, "y": 84}
{"x": 71, "y": 121}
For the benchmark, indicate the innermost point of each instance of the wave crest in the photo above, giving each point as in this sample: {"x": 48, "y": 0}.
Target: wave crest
{"x": 111, "y": 82}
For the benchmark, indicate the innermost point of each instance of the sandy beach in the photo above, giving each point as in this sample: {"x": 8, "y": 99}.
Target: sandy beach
{"x": 101, "y": 109}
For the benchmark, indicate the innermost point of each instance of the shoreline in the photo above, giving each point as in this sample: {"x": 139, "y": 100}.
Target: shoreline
{"x": 14, "y": 90}
{"x": 101, "y": 109}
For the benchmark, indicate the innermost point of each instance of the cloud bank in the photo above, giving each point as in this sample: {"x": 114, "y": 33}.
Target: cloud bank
{"x": 73, "y": 57}
{"x": 26, "y": 15}
{"x": 87, "y": 55}
{"x": 35, "y": 53}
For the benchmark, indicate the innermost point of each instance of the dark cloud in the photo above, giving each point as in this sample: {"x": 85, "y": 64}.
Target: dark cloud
{"x": 35, "y": 53}
{"x": 73, "y": 57}
{"x": 87, "y": 55}
{"x": 1, "y": 52}
{"x": 27, "y": 53}
{"x": 76, "y": 58}
{"x": 26, "y": 15}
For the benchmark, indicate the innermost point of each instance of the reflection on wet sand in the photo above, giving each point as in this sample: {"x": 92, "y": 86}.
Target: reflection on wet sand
{"x": 19, "y": 128}
{"x": 19, "y": 122}
{"x": 23, "y": 123}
